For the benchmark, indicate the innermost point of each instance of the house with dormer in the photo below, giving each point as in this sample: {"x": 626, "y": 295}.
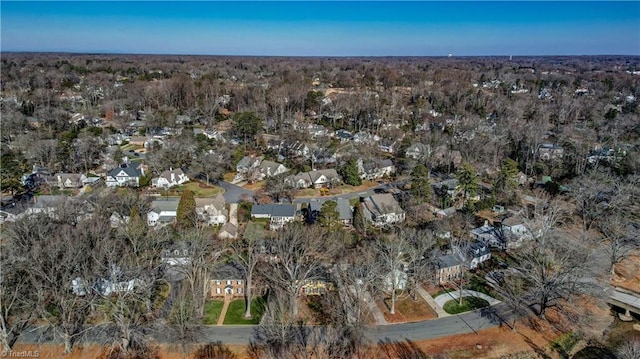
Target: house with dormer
{"x": 211, "y": 211}
{"x": 69, "y": 180}
{"x": 126, "y": 175}
{"x": 375, "y": 169}
{"x": 170, "y": 178}
{"x": 418, "y": 151}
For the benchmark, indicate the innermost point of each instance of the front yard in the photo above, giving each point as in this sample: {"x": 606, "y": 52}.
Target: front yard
{"x": 407, "y": 310}
{"x": 199, "y": 189}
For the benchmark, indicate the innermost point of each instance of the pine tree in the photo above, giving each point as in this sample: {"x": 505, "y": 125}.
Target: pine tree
{"x": 186, "y": 216}
{"x": 508, "y": 174}
{"x": 468, "y": 181}
{"x": 350, "y": 173}
{"x": 329, "y": 214}
{"x": 420, "y": 184}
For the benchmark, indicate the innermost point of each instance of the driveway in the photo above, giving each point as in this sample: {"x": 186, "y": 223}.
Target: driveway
{"x": 233, "y": 193}
{"x": 444, "y": 298}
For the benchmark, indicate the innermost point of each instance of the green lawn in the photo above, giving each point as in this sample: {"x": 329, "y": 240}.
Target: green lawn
{"x": 236, "y": 311}
{"x": 200, "y": 190}
{"x": 256, "y": 230}
{"x": 468, "y": 303}
{"x": 212, "y": 310}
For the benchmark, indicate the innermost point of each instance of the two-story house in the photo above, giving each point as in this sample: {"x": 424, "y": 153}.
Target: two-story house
{"x": 382, "y": 209}
{"x": 127, "y": 174}
{"x": 163, "y": 211}
{"x": 278, "y": 214}
{"x": 448, "y": 269}
{"x": 211, "y": 211}
{"x": 170, "y": 178}
{"x": 474, "y": 254}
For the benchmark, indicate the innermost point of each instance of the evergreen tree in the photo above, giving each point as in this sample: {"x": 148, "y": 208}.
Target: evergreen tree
{"x": 508, "y": 174}
{"x": 186, "y": 216}
{"x": 420, "y": 184}
{"x": 329, "y": 214}
{"x": 468, "y": 181}
{"x": 349, "y": 173}
{"x": 359, "y": 220}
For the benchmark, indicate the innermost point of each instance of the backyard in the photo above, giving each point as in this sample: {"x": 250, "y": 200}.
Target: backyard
{"x": 199, "y": 189}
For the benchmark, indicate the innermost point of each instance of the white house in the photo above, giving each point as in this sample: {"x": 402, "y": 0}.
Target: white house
{"x": 163, "y": 211}
{"x": 418, "y": 151}
{"x": 474, "y": 254}
{"x": 170, "y": 178}
{"x": 372, "y": 170}
{"x": 70, "y": 180}
{"x": 211, "y": 211}
{"x": 278, "y": 214}
{"x": 128, "y": 174}
{"x": 316, "y": 179}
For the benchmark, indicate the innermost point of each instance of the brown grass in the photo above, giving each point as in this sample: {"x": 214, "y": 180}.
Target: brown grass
{"x": 407, "y": 310}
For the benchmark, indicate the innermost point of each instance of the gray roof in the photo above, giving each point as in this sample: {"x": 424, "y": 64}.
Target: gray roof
{"x": 329, "y": 173}
{"x": 344, "y": 209}
{"x": 230, "y": 228}
{"x": 447, "y": 261}
{"x": 384, "y": 203}
{"x": 274, "y": 210}
{"x": 130, "y": 169}
{"x": 165, "y": 204}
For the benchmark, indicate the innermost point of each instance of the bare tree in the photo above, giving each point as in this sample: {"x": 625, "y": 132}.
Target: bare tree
{"x": 630, "y": 349}
{"x": 246, "y": 255}
{"x": 58, "y": 249}
{"x": 552, "y": 271}
{"x": 302, "y": 254}
{"x": 205, "y": 253}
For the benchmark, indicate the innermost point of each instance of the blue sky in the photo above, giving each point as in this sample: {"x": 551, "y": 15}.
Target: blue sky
{"x": 333, "y": 28}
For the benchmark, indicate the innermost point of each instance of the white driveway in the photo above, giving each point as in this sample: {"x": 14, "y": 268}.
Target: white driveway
{"x": 445, "y": 297}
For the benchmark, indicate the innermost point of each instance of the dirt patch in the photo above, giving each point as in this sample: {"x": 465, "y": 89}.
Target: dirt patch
{"x": 628, "y": 273}
{"x": 489, "y": 343}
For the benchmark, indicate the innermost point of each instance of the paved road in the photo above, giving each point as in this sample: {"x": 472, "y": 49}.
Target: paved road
{"x": 233, "y": 193}
{"x": 465, "y": 323}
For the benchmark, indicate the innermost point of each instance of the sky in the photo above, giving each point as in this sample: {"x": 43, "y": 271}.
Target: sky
{"x": 315, "y": 28}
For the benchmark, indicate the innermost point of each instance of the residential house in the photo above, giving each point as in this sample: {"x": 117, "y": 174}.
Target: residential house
{"x": 448, "y": 269}
{"x": 388, "y": 146}
{"x": 211, "y": 211}
{"x": 365, "y": 138}
{"x": 70, "y": 180}
{"x": 228, "y": 280}
{"x": 316, "y": 287}
{"x": 323, "y": 156}
{"x": 345, "y": 211}
{"x": 549, "y": 152}
{"x": 418, "y": 151}
{"x": 116, "y": 220}
{"x": 375, "y": 169}
{"x": 396, "y": 279}
{"x": 344, "y": 135}
{"x": 163, "y": 211}
{"x": 315, "y": 179}
{"x": 278, "y": 214}
{"x": 128, "y": 174}
{"x": 450, "y": 185}
{"x": 473, "y": 254}
{"x": 490, "y": 235}
{"x": 153, "y": 143}
{"x": 175, "y": 256}
{"x": 446, "y": 213}
{"x": 317, "y": 130}
{"x": 290, "y": 149}
{"x": 170, "y": 178}
{"x": 270, "y": 169}
{"x": 228, "y": 231}
{"x": 382, "y": 209}
{"x": 246, "y": 164}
